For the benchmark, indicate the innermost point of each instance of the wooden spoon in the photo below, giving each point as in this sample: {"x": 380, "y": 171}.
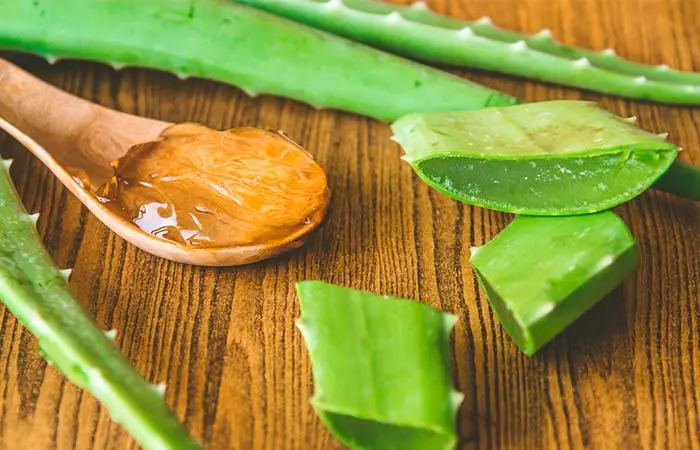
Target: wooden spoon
{"x": 64, "y": 131}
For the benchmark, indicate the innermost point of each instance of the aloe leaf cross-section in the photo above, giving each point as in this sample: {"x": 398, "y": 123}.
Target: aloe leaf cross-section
{"x": 381, "y": 368}
{"x": 550, "y": 158}
{"x": 542, "y": 273}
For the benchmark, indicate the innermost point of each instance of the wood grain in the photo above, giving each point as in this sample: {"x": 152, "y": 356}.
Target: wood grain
{"x": 627, "y": 375}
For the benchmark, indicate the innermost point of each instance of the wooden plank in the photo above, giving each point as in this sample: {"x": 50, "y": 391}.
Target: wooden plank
{"x": 627, "y": 375}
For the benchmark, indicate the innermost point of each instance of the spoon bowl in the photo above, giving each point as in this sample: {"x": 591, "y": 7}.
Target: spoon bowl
{"x": 66, "y": 132}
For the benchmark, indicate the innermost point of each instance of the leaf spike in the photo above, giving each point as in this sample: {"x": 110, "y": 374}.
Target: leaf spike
{"x": 7, "y": 163}
{"x": 475, "y": 250}
{"x": 582, "y": 63}
{"x": 393, "y": 17}
{"x": 484, "y": 20}
{"x": 544, "y": 33}
{"x": 519, "y": 46}
{"x": 663, "y": 67}
{"x": 111, "y": 334}
{"x": 334, "y": 4}
{"x": 34, "y": 218}
{"x": 609, "y": 52}
{"x": 251, "y": 93}
{"x": 66, "y": 273}
{"x": 117, "y": 66}
{"x": 465, "y": 33}
{"x": 160, "y": 388}
{"x": 632, "y": 119}
{"x": 420, "y": 5}
{"x": 51, "y": 59}
{"x": 663, "y": 136}
{"x": 182, "y": 76}
{"x": 456, "y": 399}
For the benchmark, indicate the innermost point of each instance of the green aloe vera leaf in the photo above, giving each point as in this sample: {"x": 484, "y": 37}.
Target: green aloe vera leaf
{"x": 223, "y": 42}
{"x": 37, "y": 293}
{"x": 542, "y": 273}
{"x": 235, "y": 44}
{"x": 381, "y": 368}
{"x": 549, "y": 158}
{"x": 682, "y": 179}
{"x": 417, "y": 32}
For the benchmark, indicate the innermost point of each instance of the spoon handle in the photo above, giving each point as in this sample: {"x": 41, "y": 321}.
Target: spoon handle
{"x": 66, "y": 130}
{"x": 40, "y": 110}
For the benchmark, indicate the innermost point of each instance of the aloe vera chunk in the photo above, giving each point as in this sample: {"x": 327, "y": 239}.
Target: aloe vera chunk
{"x": 37, "y": 293}
{"x": 541, "y": 274}
{"x": 550, "y": 158}
{"x": 381, "y": 368}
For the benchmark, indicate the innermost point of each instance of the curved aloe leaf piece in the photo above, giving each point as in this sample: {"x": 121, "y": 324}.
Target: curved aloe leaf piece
{"x": 37, "y": 293}
{"x": 541, "y": 274}
{"x": 415, "y": 31}
{"x": 381, "y": 368}
{"x": 256, "y": 51}
{"x": 549, "y": 158}
{"x": 681, "y": 179}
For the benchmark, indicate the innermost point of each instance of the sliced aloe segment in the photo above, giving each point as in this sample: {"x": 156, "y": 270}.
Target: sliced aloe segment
{"x": 542, "y": 273}
{"x": 550, "y": 158}
{"x": 381, "y": 368}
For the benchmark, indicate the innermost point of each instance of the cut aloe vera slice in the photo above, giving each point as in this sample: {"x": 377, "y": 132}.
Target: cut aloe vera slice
{"x": 550, "y": 158}
{"x": 381, "y": 368}
{"x": 542, "y": 273}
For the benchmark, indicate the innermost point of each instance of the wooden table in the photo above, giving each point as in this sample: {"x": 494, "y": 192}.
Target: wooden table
{"x": 627, "y": 375}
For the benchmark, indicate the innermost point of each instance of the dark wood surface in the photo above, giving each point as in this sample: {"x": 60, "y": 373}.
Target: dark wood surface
{"x": 627, "y": 375}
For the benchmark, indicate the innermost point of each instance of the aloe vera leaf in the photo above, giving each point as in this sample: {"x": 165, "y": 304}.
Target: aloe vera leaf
{"x": 541, "y": 274}
{"x": 682, "y": 179}
{"x": 235, "y": 44}
{"x": 549, "y": 158}
{"x": 37, "y": 293}
{"x": 417, "y": 32}
{"x": 381, "y": 368}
